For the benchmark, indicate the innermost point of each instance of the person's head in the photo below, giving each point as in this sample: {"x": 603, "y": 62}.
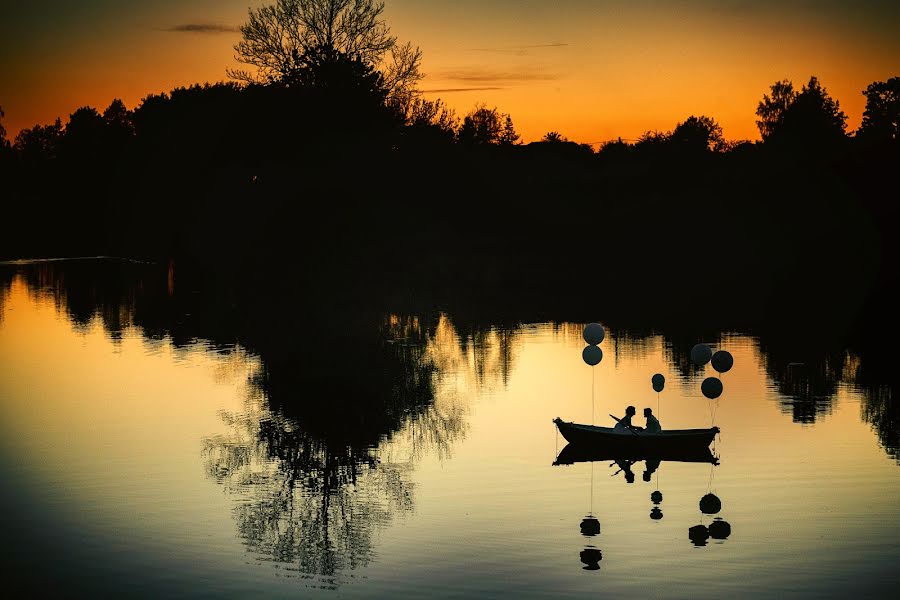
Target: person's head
{"x": 648, "y": 412}
{"x": 630, "y": 410}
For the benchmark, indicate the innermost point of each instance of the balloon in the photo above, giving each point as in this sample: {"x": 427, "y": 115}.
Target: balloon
{"x": 722, "y": 361}
{"x": 658, "y": 382}
{"x": 592, "y": 355}
{"x": 656, "y": 513}
{"x": 590, "y": 526}
{"x": 712, "y": 387}
{"x": 656, "y": 497}
{"x": 719, "y": 529}
{"x": 698, "y": 534}
{"x": 594, "y": 333}
{"x": 591, "y": 557}
{"x": 710, "y": 504}
{"x": 700, "y": 354}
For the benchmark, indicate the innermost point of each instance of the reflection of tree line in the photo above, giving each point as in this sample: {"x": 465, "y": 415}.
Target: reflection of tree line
{"x": 344, "y": 402}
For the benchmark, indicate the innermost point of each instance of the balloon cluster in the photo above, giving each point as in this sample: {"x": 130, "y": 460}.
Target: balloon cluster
{"x": 591, "y": 555}
{"x": 719, "y": 529}
{"x": 656, "y": 512}
{"x": 721, "y": 361}
{"x": 593, "y": 335}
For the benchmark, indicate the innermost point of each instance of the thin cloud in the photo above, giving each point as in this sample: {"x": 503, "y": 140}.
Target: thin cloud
{"x": 202, "y": 28}
{"x": 489, "y": 76}
{"x": 461, "y": 89}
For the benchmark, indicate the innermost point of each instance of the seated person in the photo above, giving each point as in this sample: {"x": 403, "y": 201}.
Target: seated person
{"x": 653, "y": 425}
{"x": 625, "y": 422}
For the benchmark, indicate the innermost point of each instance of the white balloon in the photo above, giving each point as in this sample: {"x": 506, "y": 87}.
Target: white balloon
{"x": 700, "y": 354}
{"x": 592, "y": 355}
{"x": 594, "y": 333}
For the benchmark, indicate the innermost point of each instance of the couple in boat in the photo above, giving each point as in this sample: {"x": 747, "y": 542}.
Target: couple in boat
{"x": 624, "y": 423}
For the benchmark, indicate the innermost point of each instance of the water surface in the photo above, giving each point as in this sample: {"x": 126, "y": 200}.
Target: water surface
{"x": 142, "y": 455}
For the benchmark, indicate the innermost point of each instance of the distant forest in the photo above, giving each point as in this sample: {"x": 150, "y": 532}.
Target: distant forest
{"x": 322, "y": 157}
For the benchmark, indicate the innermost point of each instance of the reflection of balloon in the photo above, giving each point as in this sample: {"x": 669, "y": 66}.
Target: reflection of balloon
{"x": 594, "y": 333}
{"x": 712, "y": 387}
{"x": 700, "y": 354}
{"x": 658, "y": 382}
{"x": 592, "y": 355}
{"x": 656, "y": 513}
{"x": 591, "y": 557}
{"x": 710, "y": 504}
{"x": 722, "y": 361}
{"x": 590, "y": 526}
{"x": 719, "y": 529}
{"x": 698, "y": 535}
{"x": 656, "y": 497}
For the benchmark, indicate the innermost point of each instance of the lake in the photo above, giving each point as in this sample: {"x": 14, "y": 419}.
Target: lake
{"x": 157, "y": 444}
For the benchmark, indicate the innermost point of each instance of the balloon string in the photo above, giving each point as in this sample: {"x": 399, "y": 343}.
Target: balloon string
{"x": 592, "y": 395}
{"x": 592, "y": 488}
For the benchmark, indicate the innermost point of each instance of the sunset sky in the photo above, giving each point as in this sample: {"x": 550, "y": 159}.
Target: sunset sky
{"x": 593, "y": 70}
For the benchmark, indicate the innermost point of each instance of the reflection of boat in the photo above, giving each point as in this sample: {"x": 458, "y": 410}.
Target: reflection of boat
{"x": 637, "y": 441}
{"x": 601, "y": 451}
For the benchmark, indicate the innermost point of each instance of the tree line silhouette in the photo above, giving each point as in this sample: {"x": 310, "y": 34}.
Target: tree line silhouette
{"x": 323, "y": 159}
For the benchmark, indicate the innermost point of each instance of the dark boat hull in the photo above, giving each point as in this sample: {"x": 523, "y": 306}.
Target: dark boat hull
{"x": 597, "y": 452}
{"x": 641, "y": 441}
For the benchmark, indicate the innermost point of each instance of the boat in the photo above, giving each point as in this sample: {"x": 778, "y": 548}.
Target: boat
{"x": 636, "y": 440}
{"x": 607, "y": 451}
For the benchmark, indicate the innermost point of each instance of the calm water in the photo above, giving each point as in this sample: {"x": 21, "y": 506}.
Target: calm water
{"x": 140, "y": 459}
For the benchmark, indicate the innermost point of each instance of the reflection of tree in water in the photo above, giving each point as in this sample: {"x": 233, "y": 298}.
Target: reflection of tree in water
{"x": 806, "y": 380}
{"x": 880, "y": 409}
{"x": 316, "y": 481}
{"x": 301, "y": 501}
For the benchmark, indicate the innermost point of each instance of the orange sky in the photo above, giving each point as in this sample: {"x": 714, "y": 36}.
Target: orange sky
{"x": 591, "y": 70}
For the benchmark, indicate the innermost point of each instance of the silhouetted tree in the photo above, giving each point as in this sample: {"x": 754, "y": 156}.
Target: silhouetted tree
{"x": 554, "y": 136}
{"x": 699, "y": 134}
{"x": 279, "y": 39}
{"x": 40, "y": 142}
{"x": 83, "y": 135}
{"x": 4, "y": 143}
{"x": 810, "y": 117}
{"x": 482, "y": 126}
{"x": 508, "y": 137}
{"x": 881, "y": 119}
{"x": 771, "y": 109}
{"x": 431, "y": 119}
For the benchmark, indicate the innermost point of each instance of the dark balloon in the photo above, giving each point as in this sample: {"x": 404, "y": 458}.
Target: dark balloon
{"x": 656, "y": 513}
{"x": 712, "y": 387}
{"x": 590, "y": 526}
{"x": 698, "y": 534}
{"x": 700, "y": 354}
{"x": 592, "y": 355}
{"x": 722, "y": 361}
{"x": 658, "y": 382}
{"x": 710, "y": 504}
{"x": 594, "y": 333}
{"x": 591, "y": 557}
{"x": 719, "y": 529}
{"x": 656, "y": 497}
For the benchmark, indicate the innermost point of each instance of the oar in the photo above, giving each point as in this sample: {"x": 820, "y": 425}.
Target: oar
{"x": 618, "y": 420}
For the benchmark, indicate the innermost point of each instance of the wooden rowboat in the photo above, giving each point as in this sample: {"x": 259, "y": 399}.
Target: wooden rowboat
{"x": 636, "y": 440}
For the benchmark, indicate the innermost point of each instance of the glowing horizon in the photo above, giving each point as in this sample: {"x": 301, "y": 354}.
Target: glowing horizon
{"x": 593, "y": 71}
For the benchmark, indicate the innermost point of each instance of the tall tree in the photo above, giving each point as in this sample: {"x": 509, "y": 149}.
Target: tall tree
{"x": 771, "y": 109}
{"x": 881, "y": 119}
{"x": 810, "y": 116}
{"x": 508, "y": 136}
{"x": 279, "y": 39}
